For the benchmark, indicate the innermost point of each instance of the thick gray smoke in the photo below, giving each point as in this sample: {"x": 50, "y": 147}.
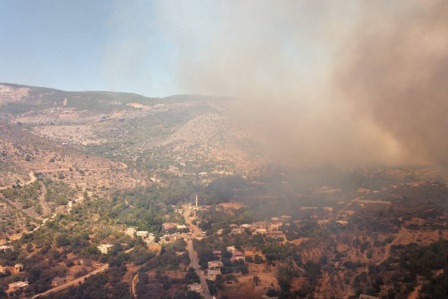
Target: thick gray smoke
{"x": 277, "y": 57}
{"x": 343, "y": 82}
{"x": 395, "y": 72}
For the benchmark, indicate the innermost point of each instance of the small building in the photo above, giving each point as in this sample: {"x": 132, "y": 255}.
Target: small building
{"x": 18, "y": 268}
{"x": 237, "y": 256}
{"x": 149, "y": 239}
{"x": 237, "y": 231}
{"x": 260, "y": 231}
{"x": 195, "y": 287}
{"x": 275, "y": 226}
{"x": 261, "y": 224}
{"x": 181, "y": 227}
{"x": 215, "y": 265}
{"x": 169, "y": 225}
{"x": 230, "y": 248}
{"x": 142, "y": 233}
{"x": 220, "y": 231}
{"x": 275, "y": 234}
{"x": 105, "y": 248}
{"x": 211, "y": 274}
{"x": 57, "y": 281}
{"x": 6, "y": 247}
{"x": 17, "y": 286}
{"x": 246, "y": 226}
{"x": 130, "y": 231}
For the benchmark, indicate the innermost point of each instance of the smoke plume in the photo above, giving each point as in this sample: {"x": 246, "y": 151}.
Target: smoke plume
{"x": 344, "y": 82}
{"x": 395, "y": 72}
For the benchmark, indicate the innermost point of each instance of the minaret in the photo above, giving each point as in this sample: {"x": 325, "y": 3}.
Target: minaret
{"x": 196, "y": 200}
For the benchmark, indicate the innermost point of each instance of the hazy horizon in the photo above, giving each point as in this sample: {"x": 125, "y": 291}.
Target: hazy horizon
{"x": 345, "y": 83}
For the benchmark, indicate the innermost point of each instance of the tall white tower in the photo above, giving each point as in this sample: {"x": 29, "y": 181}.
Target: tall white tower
{"x": 196, "y": 200}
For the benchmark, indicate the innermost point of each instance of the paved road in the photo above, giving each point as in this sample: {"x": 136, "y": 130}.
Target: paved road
{"x": 192, "y": 253}
{"x": 73, "y": 282}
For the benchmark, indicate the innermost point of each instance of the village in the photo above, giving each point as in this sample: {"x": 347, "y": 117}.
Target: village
{"x": 167, "y": 197}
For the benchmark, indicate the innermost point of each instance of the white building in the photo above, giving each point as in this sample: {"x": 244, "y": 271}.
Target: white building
{"x": 150, "y": 239}
{"x": 130, "y": 231}
{"x": 260, "y": 231}
{"x": 142, "y": 233}
{"x": 105, "y": 248}
{"x": 230, "y": 248}
{"x": 213, "y": 265}
{"x": 195, "y": 287}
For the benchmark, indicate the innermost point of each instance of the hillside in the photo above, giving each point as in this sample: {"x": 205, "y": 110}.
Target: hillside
{"x": 151, "y": 134}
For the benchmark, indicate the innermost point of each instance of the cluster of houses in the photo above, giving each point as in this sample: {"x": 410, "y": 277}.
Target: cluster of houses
{"x": 267, "y": 228}
{"x": 214, "y": 266}
{"x": 173, "y": 231}
{"x": 146, "y": 236}
{"x": 236, "y": 254}
{"x": 18, "y": 285}
{"x": 14, "y": 270}
{"x": 214, "y": 269}
{"x": 23, "y": 285}
{"x": 174, "y": 227}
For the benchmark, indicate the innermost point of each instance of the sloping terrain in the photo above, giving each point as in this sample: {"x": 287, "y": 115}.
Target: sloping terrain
{"x": 150, "y": 133}
{"x": 23, "y": 152}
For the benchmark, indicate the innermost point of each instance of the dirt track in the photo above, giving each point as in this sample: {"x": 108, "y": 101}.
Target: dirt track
{"x": 73, "y": 282}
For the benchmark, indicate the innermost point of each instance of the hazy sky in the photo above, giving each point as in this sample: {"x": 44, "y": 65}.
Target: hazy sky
{"x": 138, "y": 46}
{"x": 323, "y": 81}
{"x": 70, "y": 44}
